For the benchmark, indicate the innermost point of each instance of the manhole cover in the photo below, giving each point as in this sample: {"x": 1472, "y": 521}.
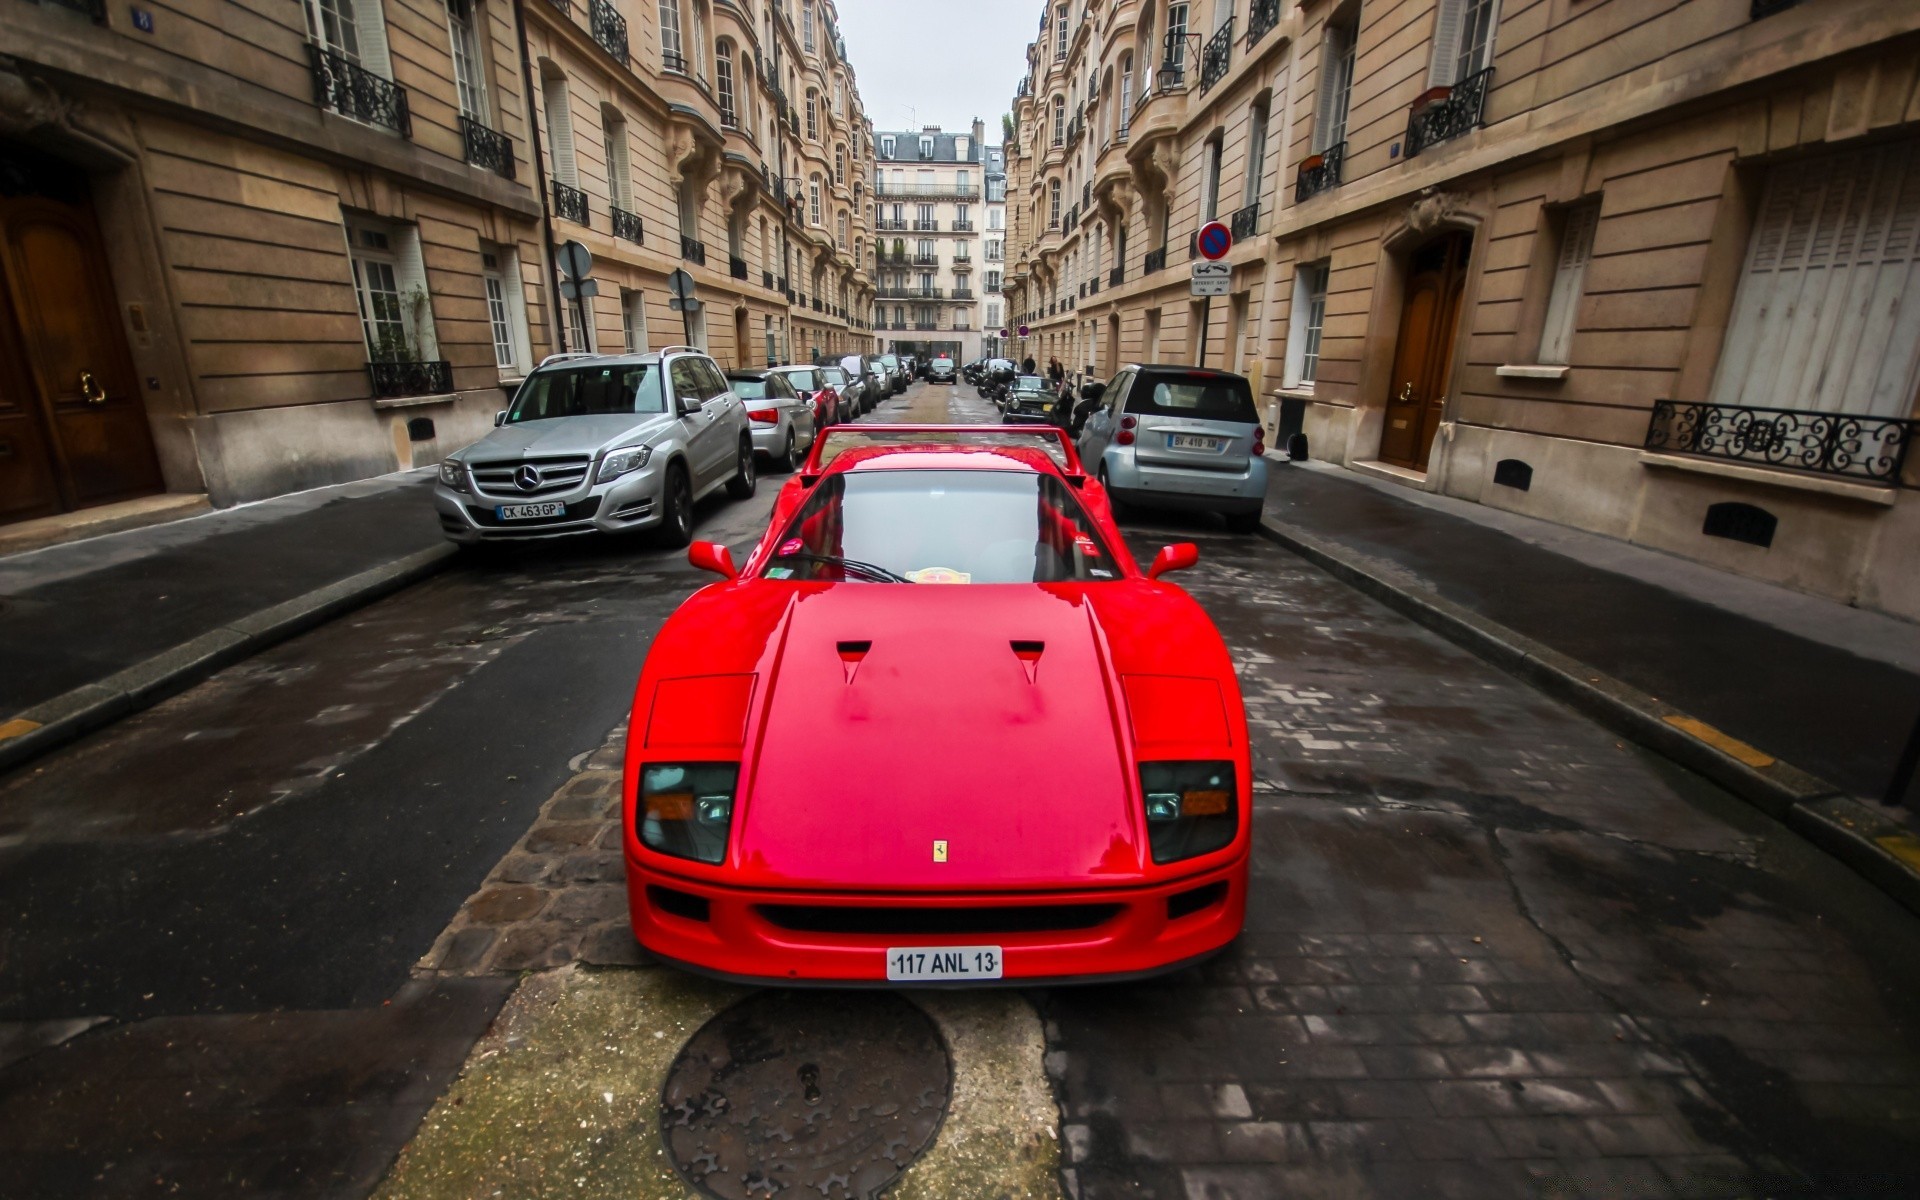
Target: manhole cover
{"x": 814, "y": 1093}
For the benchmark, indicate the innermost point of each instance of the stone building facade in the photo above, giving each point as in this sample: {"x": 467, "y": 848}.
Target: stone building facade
{"x": 247, "y": 248}
{"x": 1642, "y": 267}
{"x": 929, "y": 222}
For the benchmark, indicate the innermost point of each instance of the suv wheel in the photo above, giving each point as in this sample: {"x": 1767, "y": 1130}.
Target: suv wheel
{"x": 676, "y": 513}
{"x": 741, "y": 486}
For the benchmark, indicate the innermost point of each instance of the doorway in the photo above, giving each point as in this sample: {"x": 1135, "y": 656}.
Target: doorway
{"x": 1423, "y": 356}
{"x": 742, "y": 340}
{"x": 73, "y": 431}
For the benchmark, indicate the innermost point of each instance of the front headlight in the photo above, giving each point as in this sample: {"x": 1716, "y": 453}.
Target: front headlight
{"x": 623, "y": 462}
{"x": 685, "y": 809}
{"x": 1192, "y": 807}
{"x": 453, "y": 475}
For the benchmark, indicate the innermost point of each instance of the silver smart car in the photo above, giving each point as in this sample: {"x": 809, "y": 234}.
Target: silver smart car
{"x": 1177, "y": 437}
{"x": 601, "y": 444}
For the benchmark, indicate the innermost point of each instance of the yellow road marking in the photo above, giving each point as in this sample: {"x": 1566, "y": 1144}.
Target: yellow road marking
{"x": 1721, "y": 742}
{"x": 17, "y": 727}
{"x": 1903, "y": 846}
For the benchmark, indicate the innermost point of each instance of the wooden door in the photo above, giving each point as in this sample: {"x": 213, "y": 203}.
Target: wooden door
{"x": 74, "y": 380}
{"x": 1423, "y": 356}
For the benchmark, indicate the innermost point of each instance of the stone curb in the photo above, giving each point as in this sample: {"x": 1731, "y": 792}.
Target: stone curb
{"x": 68, "y": 716}
{"x": 1883, "y": 852}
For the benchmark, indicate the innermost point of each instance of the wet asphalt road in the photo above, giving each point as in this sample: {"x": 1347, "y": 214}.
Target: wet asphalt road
{"x": 1491, "y": 951}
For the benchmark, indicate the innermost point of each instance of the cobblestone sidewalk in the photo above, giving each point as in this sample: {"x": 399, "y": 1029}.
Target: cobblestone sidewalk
{"x": 560, "y": 895}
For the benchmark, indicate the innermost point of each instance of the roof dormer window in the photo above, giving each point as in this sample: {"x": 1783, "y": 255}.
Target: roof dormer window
{"x": 926, "y": 147}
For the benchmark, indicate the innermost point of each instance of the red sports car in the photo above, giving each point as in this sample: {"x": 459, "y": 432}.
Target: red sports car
{"x": 939, "y": 729}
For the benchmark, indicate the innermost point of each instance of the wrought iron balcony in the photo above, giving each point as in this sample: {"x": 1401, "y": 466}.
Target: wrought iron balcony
{"x": 569, "y": 203}
{"x": 926, "y": 226}
{"x": 565, "y": 6}
{"x": 693, "y": 250}
{"x": 737, "y": 266}
{"x": 1155, "y": 260}
{"x": 627, "y": 225}
{"x": 1848, "y": 446}
{"x": 1319, "y": 172}
{"x": 1447, "y": 113}
{"x": 1093, "y": 286}
{"x": 729, "y": 119}
{"x": 1117, "y": 276}
{"x": 1245, "y": 222}
{"x": 487, "y": 148}
{"x": 609, "y": 28}
{"x": 766, "y": 280}
{"x": 673, "y": 60}
{"x": 931, "y": 191}
{"x": 1082, "y": 292}
{"x": 961, "y": 293}
{"x": 1217, "y": 58}
{"x": 353, "y": 91}
{"x": 926, "y": 260}
{"x": 884, "y": 224}
{"x": 962, "y": 227}
{"x": 411, "y": 378}
{"x": 1262, "y": 16}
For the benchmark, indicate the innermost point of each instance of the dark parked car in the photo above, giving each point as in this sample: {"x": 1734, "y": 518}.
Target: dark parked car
{"x": 1031, "y": 402}
{"x": 940, "y": 370}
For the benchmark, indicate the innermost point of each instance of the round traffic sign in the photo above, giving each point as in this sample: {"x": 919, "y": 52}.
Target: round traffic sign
{"x": 576, "y": 262}
{"x": 1215, "y": 240}
{"x": 1023, "y": 331}
{"x": 1003, "y": 333}
{"x": 680, "y": 284}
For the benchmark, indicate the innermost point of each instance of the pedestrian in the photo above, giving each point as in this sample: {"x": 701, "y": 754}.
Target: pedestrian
{"x": 1026, "y": 365}
{"x": 1054, "y": 371}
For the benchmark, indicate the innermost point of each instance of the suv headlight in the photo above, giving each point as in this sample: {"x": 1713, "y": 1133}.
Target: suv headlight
{"x": 1192, "y": 807}
{"x": 623, "y": 462}
{"x": 686, "y": 809}
{"x": 453, "y": 475}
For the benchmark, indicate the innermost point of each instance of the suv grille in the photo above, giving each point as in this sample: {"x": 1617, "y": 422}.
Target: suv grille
{"x": 558, "y": 473}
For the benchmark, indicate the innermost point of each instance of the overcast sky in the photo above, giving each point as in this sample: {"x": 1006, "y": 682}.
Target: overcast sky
{"x": 938, "y": 62}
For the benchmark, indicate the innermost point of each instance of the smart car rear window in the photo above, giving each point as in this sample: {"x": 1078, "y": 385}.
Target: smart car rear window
{"x": 588, "y": 391}
{"x": 1208, "y": 398}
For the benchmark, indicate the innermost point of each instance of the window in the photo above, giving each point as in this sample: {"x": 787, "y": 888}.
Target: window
{"x": 962, "y": 216}
{"x": 1336, "y": 82}
{"x": 806, "y": 25}
{"x": 993, "y": 281}
{"x": 993, "y": 312}
{"x": 356, "y": 30}
{"x": 553, "y": 93}
{"x": 963, "y": 181}
{"x": 633, "y": 320}
{"x": 1059, "y": 120}
{"x": 390, "y": 281}
{"x": 813, "y": 115}
{"x": 925, "y": 218}
{"x": 672, "y": 50}
{"x": 1303, "y": 331}
{"x": 1830, "y": 231}
{"x": 841, "y": 241}
{"x": 926, "y": 147}
{"x": 1210, "y": 181}
{"x": 1126, "y": 93}
{"x": 1053, "y": 204}
{"x": 619, "y": 160}
{"x": 1176, "y": 36}
{"x": 813, "y": 198}
{"x": 469, "y": 68}
{"x": 506, "y": 307}
{"x": 1462, "y": 40}
{"x": 886, "y": 146}
{"x": 839, "y": 165}
{"x": 1256, "y": 153}
{"x": 729, "y": 114}
{"x": 1577, "y": 227}
{"x": 960, "y": 146}
{"x": 1060, "y": 31}
{"x": 580, "y": 330}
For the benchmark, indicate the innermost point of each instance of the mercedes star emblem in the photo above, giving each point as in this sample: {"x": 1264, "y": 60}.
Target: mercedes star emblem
{"x": 527, "y": 478}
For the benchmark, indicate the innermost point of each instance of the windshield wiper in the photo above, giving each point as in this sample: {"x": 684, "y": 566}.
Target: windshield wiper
{"x": 870, "y": 570}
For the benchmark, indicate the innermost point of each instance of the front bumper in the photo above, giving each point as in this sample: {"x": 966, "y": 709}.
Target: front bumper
{"x": 629, "y": 503}
{"x": 1155, "y": 486}
{"x": 739, "y": 937}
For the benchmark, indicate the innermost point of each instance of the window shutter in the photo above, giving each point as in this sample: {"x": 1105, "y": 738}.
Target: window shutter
{"x": 416, "y": 303}
{"x": 559, "y": 131}
{"x": 1446, "y": 42}
{"x": 370, "y": 22}
{"x": 1827, "y": 314}
{"x": 619, "y": 165}
{"x": 1576, "y": 247}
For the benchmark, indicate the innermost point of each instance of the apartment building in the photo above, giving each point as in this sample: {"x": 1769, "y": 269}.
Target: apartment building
{"x": 929, "y": 228}
{"x": 244, "y": 252}
{"x": 1643, "y": 267}
{"x": 993, "y": 256}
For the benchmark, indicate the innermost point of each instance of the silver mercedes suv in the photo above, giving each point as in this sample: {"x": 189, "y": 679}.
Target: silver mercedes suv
{"x": 601, "y": 443}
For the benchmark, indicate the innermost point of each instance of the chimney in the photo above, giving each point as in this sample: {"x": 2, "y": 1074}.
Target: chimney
{"x": 980, "y": 137}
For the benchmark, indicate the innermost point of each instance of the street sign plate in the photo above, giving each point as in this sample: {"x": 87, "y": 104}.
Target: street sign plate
{"x": 676, "y": 304}
{"x": 1214, "y": 240}
{"x": 573, "y": 290}
{"x": 680, "y": 284}
{"x": 576, "y": 262}
{"x": 1212, "y": 278}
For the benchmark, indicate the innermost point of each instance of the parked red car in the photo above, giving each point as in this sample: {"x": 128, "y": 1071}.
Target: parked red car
{"x": 939, "y": 729}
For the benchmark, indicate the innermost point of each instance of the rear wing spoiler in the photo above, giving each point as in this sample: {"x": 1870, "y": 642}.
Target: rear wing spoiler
{"x": 1048, "y": 439}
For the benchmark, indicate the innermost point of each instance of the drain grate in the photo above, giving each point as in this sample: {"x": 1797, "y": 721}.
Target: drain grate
{"x": 821, "y": 1094}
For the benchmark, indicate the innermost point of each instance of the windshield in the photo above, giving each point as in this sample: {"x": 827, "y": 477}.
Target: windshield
{"x": 842, "y": 438}
{"x": 833, "y": 375}
{"x": 1029, "y": 383}
{"x": 1218, "y": 398}
{"x": 748, "y": 389}
{"x": 928, "y": 527}
{"x": 588, "y": 391}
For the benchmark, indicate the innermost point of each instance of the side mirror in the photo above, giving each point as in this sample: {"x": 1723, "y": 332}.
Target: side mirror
{"x": 1177, "y": 557}
{"x": 1092, "y": 391}
{"x": 500, "y": 418}
{"x": 689, "y": 405}
{"x": 712, "y": 556}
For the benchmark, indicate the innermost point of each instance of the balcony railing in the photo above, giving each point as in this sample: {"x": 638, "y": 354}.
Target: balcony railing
{"x": 673, "y": 60}
{"x": 1319, "y": 172}
{"x": 693, "y": 250}
{"x": 353, "y": 91}
{"x": 962, "y": 227}
{"x": 883, "y": 224}
{"x": 1447, "y": 113}
{"x": 1262, "y": 16}
{"x": 1155, "y": 260}
{"x": 1093, "y": 286}
{"x": 1244, "y": 222}
{"x": 486, "y": 148}
{"x": 569, "y": 203}
{"x": 627, "y": 225}
{"x": 737, "y": 266}
{"x": 953, "y": 191}
{"x": 766, "y": 280}
{"x": 1117, "y": 276}
{"x": 1852, "y": 447}
{"x": 926, "y": 260}
{"x": 411, "y": 378}
{"x": 926, "y": 226}
{"x": 1217, "y": 58}
{"x": 609, "y": 28}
